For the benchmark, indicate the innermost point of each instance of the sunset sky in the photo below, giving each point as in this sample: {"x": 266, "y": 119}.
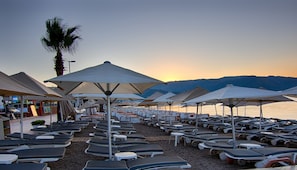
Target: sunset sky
{"x": 165, "y": 39}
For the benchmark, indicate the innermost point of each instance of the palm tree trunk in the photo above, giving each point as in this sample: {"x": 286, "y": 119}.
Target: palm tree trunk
{"x": 59, "y": 67}
{"x": 59, "y": 63}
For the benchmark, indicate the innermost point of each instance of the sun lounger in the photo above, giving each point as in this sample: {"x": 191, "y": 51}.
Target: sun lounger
{"x": 81, "y": 124}
{"x": 129, "y": 136}
{"x": 289, "y": 128}
{"x": 158, "y": 162}
{"x": 41, "y": 155}
{"x": 66, "y": 129}
{"x": 193, "y": 138}
{"x": 178, "y": 127}
{"x": 35, "y": 143}
{"x": 282, "y": 139}
{"x": 56, "y": 135}
{"x": 140, "y": 150}
{"x": 115, "y": 143}
{"x": 217, "y": 146}
{"x": 244, "y": 155}
{"x": 9, "y": 144}
{"x": 24, "y": 166}
{"x": 117, "y": 128}
{"x": 207, "y": 138}
{"x": 228, "y": 144}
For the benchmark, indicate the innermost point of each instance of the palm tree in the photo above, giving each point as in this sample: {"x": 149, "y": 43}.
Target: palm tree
{"x": 59, "y": 38}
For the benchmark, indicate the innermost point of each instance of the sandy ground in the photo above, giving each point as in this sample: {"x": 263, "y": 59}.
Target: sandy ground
{"x": 75, "y": 158}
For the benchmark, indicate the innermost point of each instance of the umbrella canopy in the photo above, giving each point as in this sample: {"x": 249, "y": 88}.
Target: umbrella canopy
{"x": 149, "y": 100}
{"x": 113, "y": 96}
{"x": 292, "y": 92}
{"x": 9, "y": 87}
{"x": 188, "y": 95}
{"x": 105, "y": 78}
{"x": 67, "y": 109}
{"x": 165, "y": 99}
{"x": 234, "y": 95}
{"x": 31, "y": 83}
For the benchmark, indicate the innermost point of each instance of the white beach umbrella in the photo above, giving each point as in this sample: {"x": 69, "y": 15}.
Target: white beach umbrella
{"x": 233, "y": 95}
{"x": 33, "y": 84}
{"x": 165, "y": 99}
{"x": 188, "y": 95}
{"x": 112, "y": 96}
{"x": 148, "y": 101}
{"x": 107, "y": 79}
{"x": 9, "y": 87}
{"x": 291, "y": 93}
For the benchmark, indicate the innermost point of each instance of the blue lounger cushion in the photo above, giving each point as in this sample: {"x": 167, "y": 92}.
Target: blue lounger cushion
{"x": 142, "y": 149}
{"x": 157, "y": 162}
{"x": 24, "y": 166}
{"x": 144, "y": 163}
{"x": 105, "y": 165}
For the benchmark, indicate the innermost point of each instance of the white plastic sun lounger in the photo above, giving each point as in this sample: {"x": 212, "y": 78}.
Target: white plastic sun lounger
{"x": 243, "y": 155}
{"x": 40, "y": 155}
{"x": 141, "y": 150}
{"x": 129, "y": 136}
{"x": 104, "y": 142}
{"x": 24, "y": 166}
{"x": 43, "y": 142}
{"x": 228, "y": 144}
{"x": 56, "y": 135}
{"x": 66, "y": 129}
{"x": 198, "y": 137}
{"x": 157, "y": 162}
{"x": 217, "y": 146}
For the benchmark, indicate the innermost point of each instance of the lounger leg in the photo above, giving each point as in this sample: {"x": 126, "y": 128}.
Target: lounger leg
{"x": 175, "y": 140}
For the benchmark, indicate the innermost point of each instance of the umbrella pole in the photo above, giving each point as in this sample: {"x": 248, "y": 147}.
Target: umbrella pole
{"x": 22, "y": 117}
{"x": 261, "y": 116}
{"x": 233, "y": 127}
{"x": 197, "y": 110}
{"x": 231, "y": 105}
{"x": 223, "y": 120}
{"x": 51, "y": 114}
{"x": 109, "y": 127}
{"x": 61, "y": 112}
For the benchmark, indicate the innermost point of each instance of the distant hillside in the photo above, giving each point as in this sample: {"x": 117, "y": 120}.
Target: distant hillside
{"x": 276, "y": 83}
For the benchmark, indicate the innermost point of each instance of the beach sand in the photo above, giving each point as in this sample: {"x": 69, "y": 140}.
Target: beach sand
{"x": 75, "y": 158}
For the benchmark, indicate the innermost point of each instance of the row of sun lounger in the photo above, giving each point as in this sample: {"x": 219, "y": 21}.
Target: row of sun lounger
{"x": 33, "y": 151}
{"x": 252, "y": 144}
{"x": 148, "y": 156}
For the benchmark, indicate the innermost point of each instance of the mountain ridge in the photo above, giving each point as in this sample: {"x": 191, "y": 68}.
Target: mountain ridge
{"x": 276, "y": 83}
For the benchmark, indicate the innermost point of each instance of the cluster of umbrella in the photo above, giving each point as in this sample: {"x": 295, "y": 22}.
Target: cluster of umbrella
{"x": 230, "y": 96}
{"x": 28, "y": 88}
{"x": 108, "y": 80}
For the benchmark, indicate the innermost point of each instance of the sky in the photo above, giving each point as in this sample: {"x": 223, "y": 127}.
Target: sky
{"x": 169, "y": 40}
